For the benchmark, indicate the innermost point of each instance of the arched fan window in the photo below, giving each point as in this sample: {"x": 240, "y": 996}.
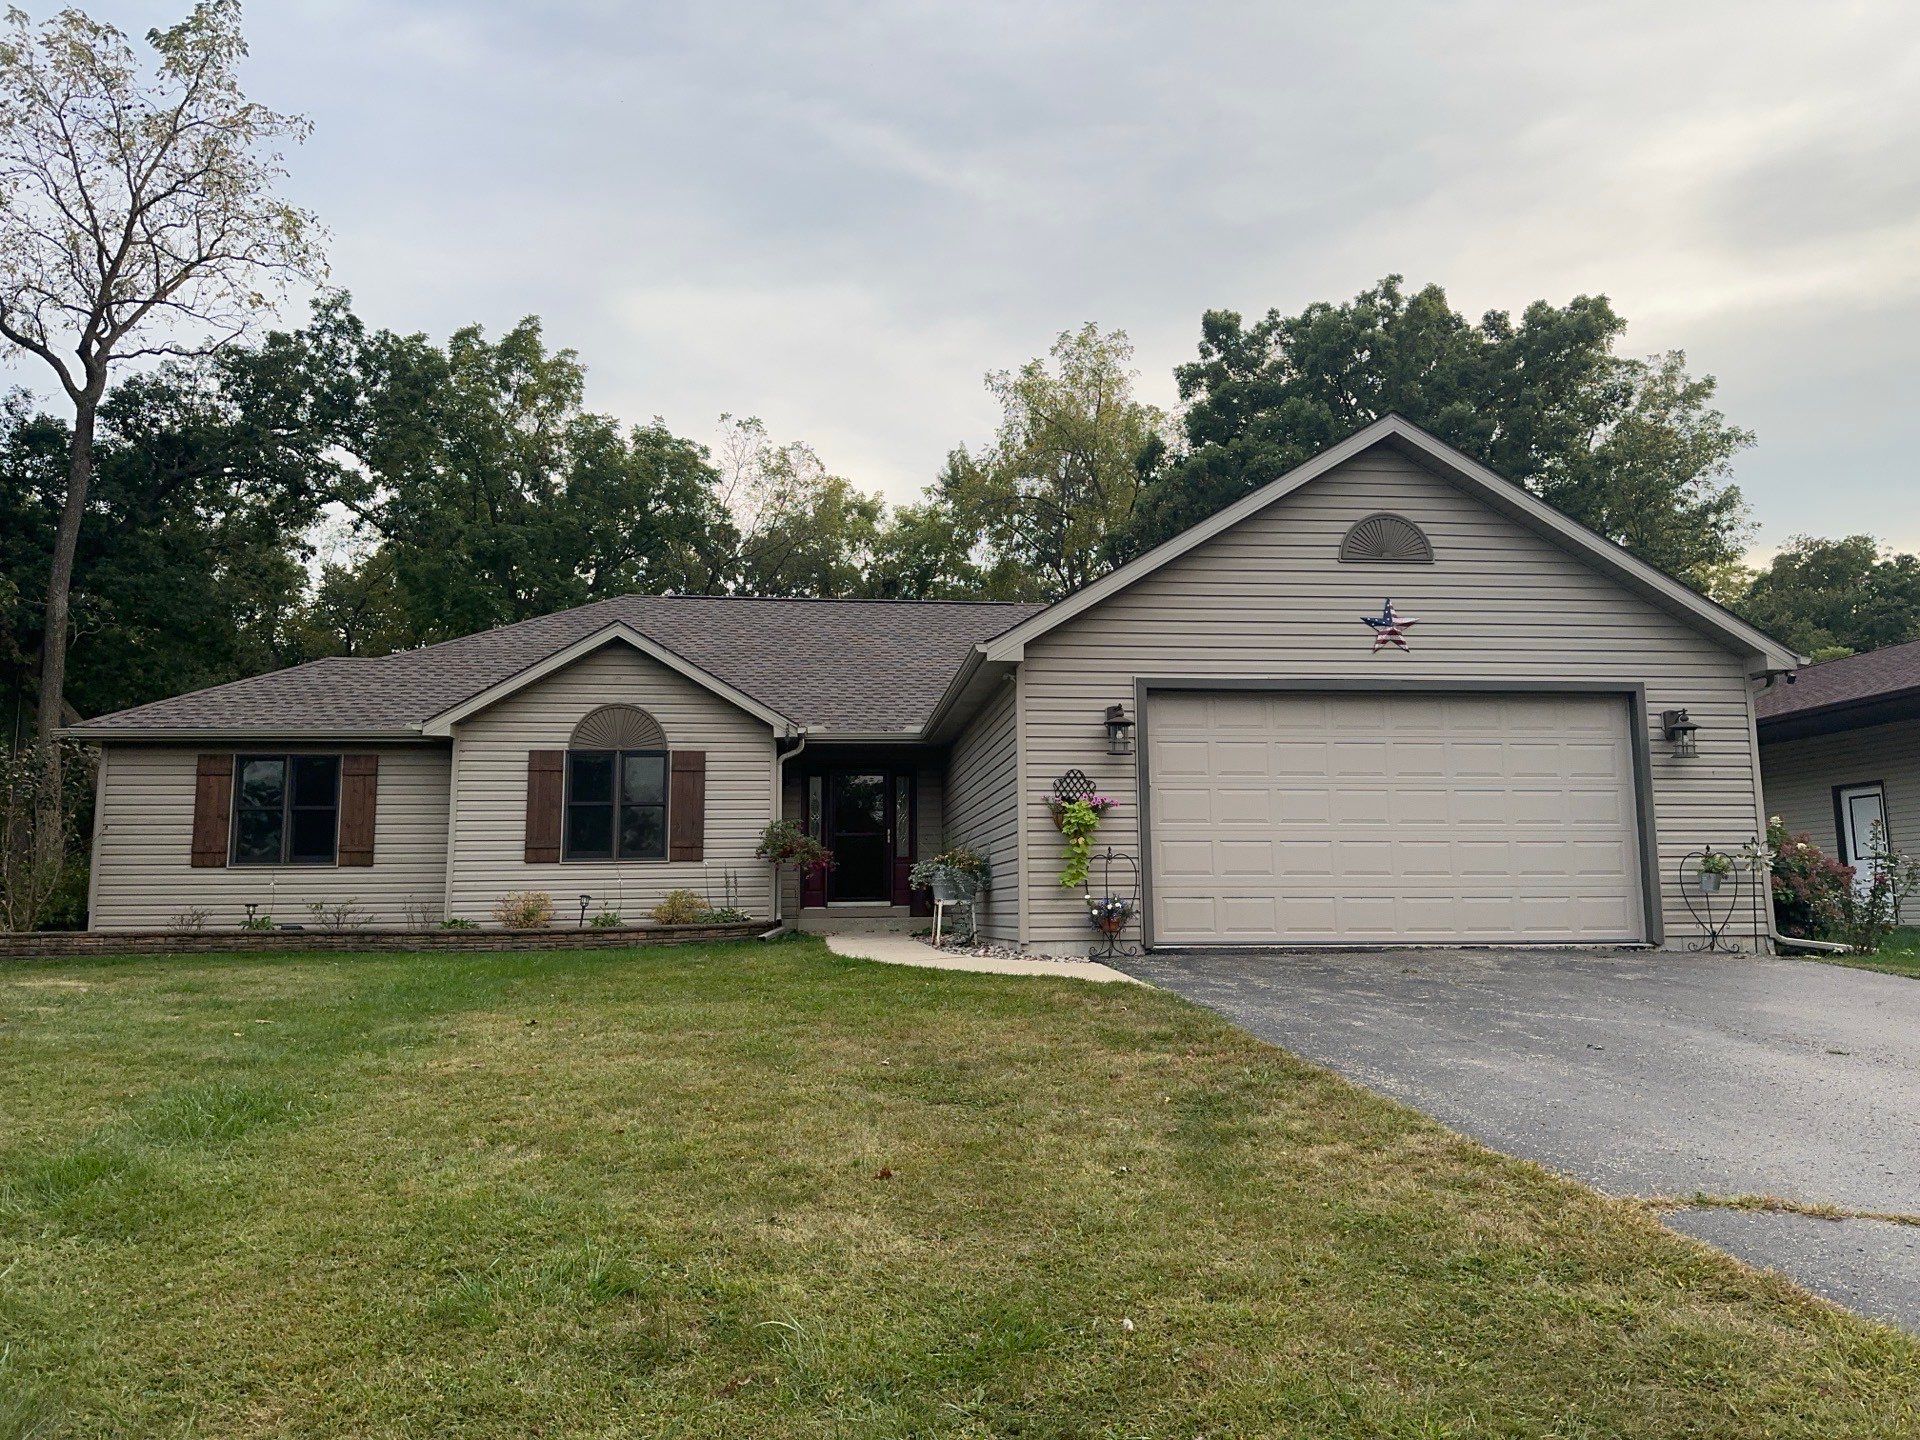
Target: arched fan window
{"x": 618, "y": 727}
{"x": 1387, "y": 538}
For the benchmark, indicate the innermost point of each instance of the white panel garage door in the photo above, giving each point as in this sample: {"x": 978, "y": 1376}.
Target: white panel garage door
{"x": 1376, "y": 817}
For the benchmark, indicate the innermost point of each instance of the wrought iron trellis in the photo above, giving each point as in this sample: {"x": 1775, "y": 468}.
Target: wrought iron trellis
{"x": 1711, "y": 885}
{"x": 1110, "y": 911}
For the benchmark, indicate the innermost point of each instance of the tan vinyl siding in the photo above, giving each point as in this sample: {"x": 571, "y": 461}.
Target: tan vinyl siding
{"x": 490, "y": 791}
{"x": 1801, "y": 776}
{"x": 1269, "y": 599}
{"x": 145, "y": 827}
{"x": 983, "y": 808}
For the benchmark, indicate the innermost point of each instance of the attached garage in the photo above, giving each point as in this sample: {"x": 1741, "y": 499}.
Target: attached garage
{"x": 1403, "y": 815}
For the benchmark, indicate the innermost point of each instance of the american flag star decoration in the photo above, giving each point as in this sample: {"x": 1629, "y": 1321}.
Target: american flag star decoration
{"x": 1389, "y": 628}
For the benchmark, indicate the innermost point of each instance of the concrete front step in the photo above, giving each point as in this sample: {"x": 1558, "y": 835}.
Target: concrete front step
{"x": 861, "y": 920}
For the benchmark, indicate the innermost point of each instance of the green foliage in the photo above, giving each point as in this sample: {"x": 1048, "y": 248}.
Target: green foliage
{"x": 1871, "y": 912}
{"x": 1078, "y": 822}
{"x": 1629, "y": 447}
{"x": 1810, "y": 888}
{"x": 458, "y": 922}
{"x": 1062, "y": 474}
{"x": 605, "y": 919}
{"x": 724, "y": 915}
{"x": 963, "y": 862}
{"x": 1827, "y": 598}
{"x": 679, "y": 907}
{"x": 785, "y": 843}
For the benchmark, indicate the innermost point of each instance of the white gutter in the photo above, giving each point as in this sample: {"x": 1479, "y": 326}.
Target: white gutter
{"x": 780, "y": 799}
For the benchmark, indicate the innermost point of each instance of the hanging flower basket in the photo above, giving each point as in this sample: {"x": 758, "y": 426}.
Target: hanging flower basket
{"x": 1057, "y": 808}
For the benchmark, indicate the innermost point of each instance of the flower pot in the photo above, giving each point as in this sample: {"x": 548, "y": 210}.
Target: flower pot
{"x": 951, "y": 886}
{"x": 1709, "y": 882}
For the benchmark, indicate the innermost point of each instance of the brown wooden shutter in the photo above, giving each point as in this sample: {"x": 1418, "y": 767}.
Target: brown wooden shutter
{"x": 212, "y": 810}
{"x": 359, "y": 802}
{"x": 546, "y": 787}
{"x": 687, "y": 806}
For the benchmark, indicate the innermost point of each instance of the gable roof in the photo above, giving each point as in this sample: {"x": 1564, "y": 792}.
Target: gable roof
{"x": 833, "y": 666}
{"x": 1860, "y": 687}
{"x": 1434, "y": 454}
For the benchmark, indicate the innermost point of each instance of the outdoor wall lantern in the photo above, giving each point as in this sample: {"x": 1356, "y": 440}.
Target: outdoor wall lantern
{"x": 1680, "y": 731}
{"x": 1119, "y": 731}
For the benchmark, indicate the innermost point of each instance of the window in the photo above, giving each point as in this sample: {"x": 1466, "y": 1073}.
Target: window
{"x": 616, "y": 805}
{"x": 286, "y": 809}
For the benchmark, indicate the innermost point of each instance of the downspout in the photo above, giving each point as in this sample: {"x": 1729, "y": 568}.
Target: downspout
{"x": 780, "y": 799}
{"x": 1782, "y": 942}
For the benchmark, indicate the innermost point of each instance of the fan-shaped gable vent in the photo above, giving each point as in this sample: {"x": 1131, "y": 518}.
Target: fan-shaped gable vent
{"x": 618, "y": 727}
{"x": 1387, "y": 538}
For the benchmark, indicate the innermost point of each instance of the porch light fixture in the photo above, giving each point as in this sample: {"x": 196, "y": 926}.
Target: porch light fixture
{"x": 1680, "y": 732}
{"x": 1119, "y": 731}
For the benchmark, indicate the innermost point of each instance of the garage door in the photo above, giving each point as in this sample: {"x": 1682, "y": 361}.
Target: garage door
{"x": 1368, "y": 818}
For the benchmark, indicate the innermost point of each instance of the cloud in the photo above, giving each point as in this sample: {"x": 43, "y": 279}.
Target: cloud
{"x": 839, "y": 215}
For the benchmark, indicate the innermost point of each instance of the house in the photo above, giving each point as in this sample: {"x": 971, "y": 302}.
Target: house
{"x": 1840, "y": 751}
{"x": 1390, "y": 697}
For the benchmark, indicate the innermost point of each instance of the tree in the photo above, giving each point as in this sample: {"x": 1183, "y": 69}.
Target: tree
{"x": 1631, "y": 448}
{"x": 791, "y": 527}
{"x": 191, "y": 563}
{"x": 1062, "y": 474}
{"x": 1827, "y": 598}
{"x": 137, "y": 218}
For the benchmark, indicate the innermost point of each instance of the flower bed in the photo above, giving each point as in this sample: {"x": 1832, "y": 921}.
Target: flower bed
{"x": 48, "y": 945}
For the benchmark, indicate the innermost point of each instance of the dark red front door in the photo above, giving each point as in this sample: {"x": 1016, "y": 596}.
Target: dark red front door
{"x": 860, "y": 834}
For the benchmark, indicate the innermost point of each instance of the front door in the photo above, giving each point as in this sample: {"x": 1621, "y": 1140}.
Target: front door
{"x": 1863, "y": 830}
{"x": 860, "y": 835}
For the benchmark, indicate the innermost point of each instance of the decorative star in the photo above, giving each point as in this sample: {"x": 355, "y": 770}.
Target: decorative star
{"x": 1389, "y": 628}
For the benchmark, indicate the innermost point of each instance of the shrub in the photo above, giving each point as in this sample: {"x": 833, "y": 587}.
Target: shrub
{"x": 725, "y": 915}
{"x": 1868, "y": 916}
{"x": 458, "y": 922}
{"x": 1811, "y": 890}
{"x": 605, "y": 920}
{"x": 679, "y": 907}
{"x": 524, "y": 910}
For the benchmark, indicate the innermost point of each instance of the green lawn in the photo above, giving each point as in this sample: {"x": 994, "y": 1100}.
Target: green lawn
{"x": 758, "y": 1191}
{"x": 1899, "y": 956}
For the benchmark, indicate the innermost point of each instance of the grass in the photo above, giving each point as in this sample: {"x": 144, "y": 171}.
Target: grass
{"x": 765, "y": 1191}
{"x": 1899, "y": 956}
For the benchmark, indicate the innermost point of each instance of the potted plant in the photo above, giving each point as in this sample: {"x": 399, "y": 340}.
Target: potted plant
{"x": 1058, "y": 808}
{"x": 956, "y": 874}
{"x": 1109, "y": 913}
{"x": 1714, "y": 867}
{"x": 785, "y": 843}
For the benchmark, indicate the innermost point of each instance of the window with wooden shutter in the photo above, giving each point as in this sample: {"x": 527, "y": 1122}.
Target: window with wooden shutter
{"x": 546, "y": 799}
{"x": 212, "y": 810}
{"x": 687, "y": 806}
{"x": 359, "y": 803}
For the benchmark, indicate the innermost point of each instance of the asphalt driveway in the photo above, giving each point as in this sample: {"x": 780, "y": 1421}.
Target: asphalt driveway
{"x": 1641, "y": 1074}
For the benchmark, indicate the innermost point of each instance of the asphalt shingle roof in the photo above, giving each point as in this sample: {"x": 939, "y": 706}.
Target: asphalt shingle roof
{"x": 1891, "y": 670}
{"x": 831, "y": 665}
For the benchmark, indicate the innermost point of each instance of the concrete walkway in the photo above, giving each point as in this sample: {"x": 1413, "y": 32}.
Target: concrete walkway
{"x": 904, "y": 950}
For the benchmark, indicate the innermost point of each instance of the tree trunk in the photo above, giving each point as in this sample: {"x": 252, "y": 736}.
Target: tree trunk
{"x": 49, "y": 822}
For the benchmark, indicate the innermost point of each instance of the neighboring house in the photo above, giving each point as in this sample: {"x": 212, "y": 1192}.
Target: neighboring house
{"x": 1840, "y": 751}
{"x": 1288, "y": 773}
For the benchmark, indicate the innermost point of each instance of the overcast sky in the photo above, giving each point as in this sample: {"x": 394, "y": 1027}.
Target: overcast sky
{"x": 837, "y": 217}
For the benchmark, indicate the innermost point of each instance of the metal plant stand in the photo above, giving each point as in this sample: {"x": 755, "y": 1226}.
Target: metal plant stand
{"x": 1712, "y": 895}
{"x": 1110, "y": 911}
